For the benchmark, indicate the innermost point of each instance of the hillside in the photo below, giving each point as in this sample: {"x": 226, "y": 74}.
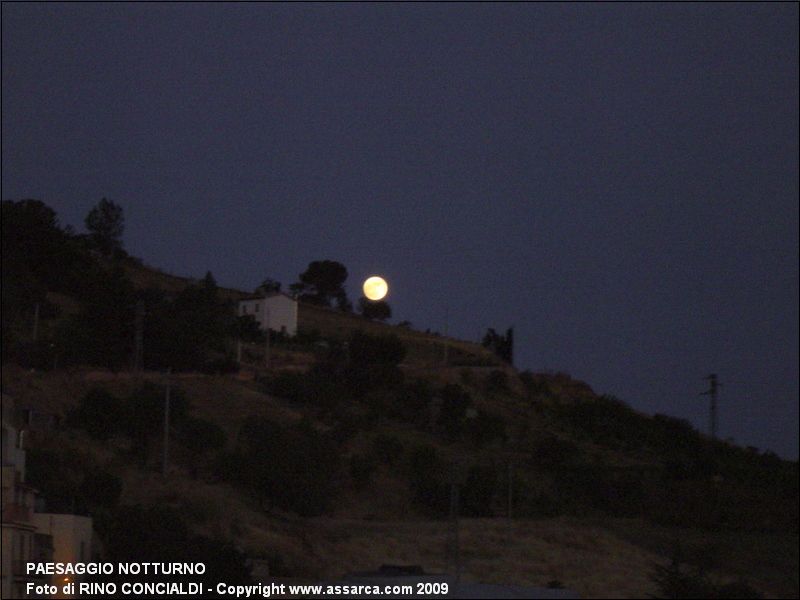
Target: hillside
{"x": 423, "y": 348}
{"x": 346, "y": 452}
{"x": 599, "y": 556}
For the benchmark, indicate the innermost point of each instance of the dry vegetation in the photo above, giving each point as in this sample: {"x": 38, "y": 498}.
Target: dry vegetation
{"x": 424, "y": 349}
{"x": 597, "y": 558}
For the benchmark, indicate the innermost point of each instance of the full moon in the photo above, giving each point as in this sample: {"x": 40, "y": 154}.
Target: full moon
{"x": 375, "y": 288}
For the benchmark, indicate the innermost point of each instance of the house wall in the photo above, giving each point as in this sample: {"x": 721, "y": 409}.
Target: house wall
{"x": 72, "y": 540}
{"x": 21, "y": 541}
{"x": 18, "y": 530}
{"x": 12, "y": 451}
{"x": 282, "y": 312}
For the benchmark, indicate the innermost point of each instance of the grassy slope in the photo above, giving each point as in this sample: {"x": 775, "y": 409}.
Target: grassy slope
{"x": 424, "y": 348}
{"x": 598, "y": 558}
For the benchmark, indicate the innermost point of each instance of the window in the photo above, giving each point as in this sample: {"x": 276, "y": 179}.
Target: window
{"x": 256, "y": 309}
{"x": 244, "y": 309}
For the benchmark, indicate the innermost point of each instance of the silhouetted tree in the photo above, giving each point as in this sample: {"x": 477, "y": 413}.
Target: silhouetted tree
{"x": 38, "y": 256}
{"x": 102, "y": 331}
{"x": 268, "y": 286}
{"x": 106, "y": 223}
{"x": 502, "y": 346}
{"x": 374, "y": 309}
{"x": 323, "y": 283}
{"x": 191, "y": 330}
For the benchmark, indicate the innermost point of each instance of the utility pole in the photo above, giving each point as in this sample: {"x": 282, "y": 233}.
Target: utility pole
{"x": 266, "y": 349}
{"x": 455, "y": 541}
{"x": 138, "y": 338}
{"x": 166, "y": 423}
{"x": 446, "y": 345}
{"x": 510, "y": 488}
{"x": 714, "y": 386}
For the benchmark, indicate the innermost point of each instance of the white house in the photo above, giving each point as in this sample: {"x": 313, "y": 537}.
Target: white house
{"x": 29, "y": 536}
{"x": 276, "y": 310}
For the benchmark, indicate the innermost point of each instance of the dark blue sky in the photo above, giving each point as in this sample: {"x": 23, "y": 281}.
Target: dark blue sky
{"x": 618, "y": 182}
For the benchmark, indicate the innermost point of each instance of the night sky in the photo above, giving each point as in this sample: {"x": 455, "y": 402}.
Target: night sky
{"x": 618, "y": 182}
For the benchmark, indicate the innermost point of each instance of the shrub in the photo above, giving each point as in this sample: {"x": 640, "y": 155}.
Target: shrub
{"x": 368, "y": 349}
{"x": 160, "y": 533}
{"x": 387, "y": 448}
{"x": 738, "y": 589}
{"x": 362, "y": 468}
{"x": 286, "y": 384}
{"x": 411, "y": 402}
{"x": 678, "y": 580}
{"x": 201, "y": 436}
{"x": 101, "y": 489}
{"x": 220, "y": 366}
{"x": 535, "y": 385}
{"x": 486, "y": 428}
{"x": 478, "y": 492}
{"x": 455, "y": 401}
{"x": 427, "y": 480}
{"x": 39, "y": 355}
{"x": 146, "y": 410}
{"x": 101, "y": 414}
{"x": 294, "y": 467}
{"x": 553, "y": 453}
{"x": 497, "y": 382}
{"x": 58, "y": 474}
{"x": 539, "y": 505}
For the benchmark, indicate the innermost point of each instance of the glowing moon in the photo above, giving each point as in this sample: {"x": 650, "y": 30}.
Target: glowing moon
{"x": 375, "y": 288}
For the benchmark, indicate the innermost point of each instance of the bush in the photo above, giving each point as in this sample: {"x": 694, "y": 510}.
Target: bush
{"x": 486, "y": 428}
{"x": 201, "y": 436}
{"x": 368, "y": 349}
{"x": 101, "y": 414}
{"x": 535, "y": 385}
{"x": 427, "y": 481}
{"x": 161, "y": 534}
{"x": 39, "y": 355}
{"x": 146, "y": 410}
{"x": 678, "y": 580}
{"x": 362, "y": 468}
{"x": 539, "y": 505}
{"x": 455, "y": 401}
{"x": 411, "y": 401}
{"x": 286, "y": 384}
{"x": 294, "y": 467}
{"x": 102, "y": 489}
{"x": 220, "y": 366}
{"x": 387, "y": 448}
{"x": 553, "y": 453}
{"x": 497, "y": 382}
{"x": 57, "y": 473}
{"x": 616, "y": 492}
{"x": 478, "y": 492}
